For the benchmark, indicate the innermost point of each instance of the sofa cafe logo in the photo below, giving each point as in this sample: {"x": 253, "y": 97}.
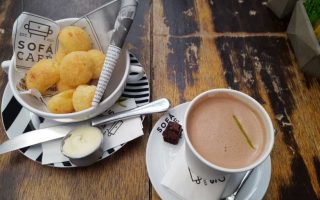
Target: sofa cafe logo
{"x": 164, "y": 124}
{"x": 34, "y": 50}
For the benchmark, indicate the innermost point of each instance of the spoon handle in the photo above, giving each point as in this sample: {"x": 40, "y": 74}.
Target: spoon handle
{"x": 159, "y": 105}
{"x": 244, "y": 179}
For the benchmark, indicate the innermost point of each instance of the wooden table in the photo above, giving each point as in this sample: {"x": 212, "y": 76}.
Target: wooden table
{"x": 186, "y": 47}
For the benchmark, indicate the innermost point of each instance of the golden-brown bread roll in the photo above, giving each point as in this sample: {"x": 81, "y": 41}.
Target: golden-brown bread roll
{"x": 62, "y": 86}
{"x": 61, "y": 103}
{"x": 73, "y": 38}
{"x": 83, "y": 96}
{"x": 61, "y": 53}
{"x": 42, "y": 76}
{"x": 76, "y": 68}
{"x": 98, "y": 60}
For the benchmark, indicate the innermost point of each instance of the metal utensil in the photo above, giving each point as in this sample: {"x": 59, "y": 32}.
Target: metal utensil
{"x": 52, "y": 133}
{"x": 159, "y": 105}
{"x": 243, "y": 181}
{"x": 121, "y": 28}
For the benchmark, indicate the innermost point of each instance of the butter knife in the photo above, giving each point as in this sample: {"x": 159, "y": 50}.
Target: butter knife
{"x": 56, "y": 132}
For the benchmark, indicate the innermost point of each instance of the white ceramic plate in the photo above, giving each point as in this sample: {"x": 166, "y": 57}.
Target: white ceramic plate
{"x": 18, "y": 120}
{"x": 159, "y": 156}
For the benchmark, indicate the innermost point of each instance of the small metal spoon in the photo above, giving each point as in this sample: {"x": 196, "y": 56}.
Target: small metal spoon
{"x": 243, "y": 181}
{"x": 153, "y": 107}
{"x": 159, "y": 105}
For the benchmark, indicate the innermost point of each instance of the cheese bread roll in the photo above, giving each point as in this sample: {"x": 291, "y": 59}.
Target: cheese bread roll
{"x": 76, "y": 68}
{"x": 61, "y": 103}
{"x": 73, "y": 38}
{"x": 61, "y": 53}
{"x": 42, "y": 76}
{"x": 98, "y": 59}
{"x": 62, "y": 86}
{"x": 83, "y": 97}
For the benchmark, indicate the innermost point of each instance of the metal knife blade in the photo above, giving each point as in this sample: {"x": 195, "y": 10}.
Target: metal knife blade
{"x": 34, "y": 137}
{"x": 55, "y": 132}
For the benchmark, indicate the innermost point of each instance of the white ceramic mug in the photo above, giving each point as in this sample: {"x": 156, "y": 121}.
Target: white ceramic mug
{"x": 199, "y": 165}
{"x": 114, "y": 89}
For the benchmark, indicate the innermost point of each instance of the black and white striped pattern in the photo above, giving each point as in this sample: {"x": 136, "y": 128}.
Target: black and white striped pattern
{"x": 18, "y": 120}
{"x": 138, "y": 90}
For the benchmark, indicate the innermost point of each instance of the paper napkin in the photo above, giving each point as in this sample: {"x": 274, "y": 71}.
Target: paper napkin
{"x": 182, "y": 183}
{"x": 114, "y": 134}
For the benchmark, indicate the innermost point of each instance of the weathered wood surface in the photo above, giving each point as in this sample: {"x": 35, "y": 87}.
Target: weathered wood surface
{"x": 123, "y": 175}
{"x": 187, "y": 47}
{"x": 200, "y": 45}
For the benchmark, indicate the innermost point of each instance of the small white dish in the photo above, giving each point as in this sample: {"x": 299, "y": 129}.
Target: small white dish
{"x": 160, "y": 154}
{"x": 112, "y": 93}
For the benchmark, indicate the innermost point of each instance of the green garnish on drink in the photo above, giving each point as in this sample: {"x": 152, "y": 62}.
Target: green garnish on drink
{"x": 243, "y": 131}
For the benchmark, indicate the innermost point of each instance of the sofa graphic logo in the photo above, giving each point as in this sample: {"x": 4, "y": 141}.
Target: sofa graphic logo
{"x": 36, "y": 28}
{"x": 114, "y": 128}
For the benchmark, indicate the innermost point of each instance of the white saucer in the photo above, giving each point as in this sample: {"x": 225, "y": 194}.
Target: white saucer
{"x": 160, "y": 155}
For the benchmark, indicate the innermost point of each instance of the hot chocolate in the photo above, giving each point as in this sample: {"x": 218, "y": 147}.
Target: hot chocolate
{"x": 226, "y": 131}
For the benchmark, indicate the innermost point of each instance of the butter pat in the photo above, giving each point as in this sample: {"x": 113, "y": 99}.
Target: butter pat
{"x": 82, "y": 141}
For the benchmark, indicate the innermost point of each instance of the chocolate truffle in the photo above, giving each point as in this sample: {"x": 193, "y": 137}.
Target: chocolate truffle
{"x": 172, "y": 133}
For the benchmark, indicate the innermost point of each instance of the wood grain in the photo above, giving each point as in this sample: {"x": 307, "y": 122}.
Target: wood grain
{"x": 242, "y": 45}
{"x": 187, "y": 47}
{"x": 245, "y": 16}
{"x": 268, "y": 59}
